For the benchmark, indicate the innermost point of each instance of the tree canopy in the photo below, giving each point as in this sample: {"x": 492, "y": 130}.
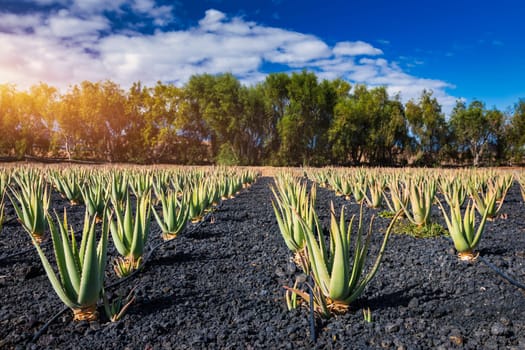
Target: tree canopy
{"x": 294, "y": 119}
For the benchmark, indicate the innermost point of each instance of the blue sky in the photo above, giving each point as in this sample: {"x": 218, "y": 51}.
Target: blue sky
{"x": 459, "y": 49}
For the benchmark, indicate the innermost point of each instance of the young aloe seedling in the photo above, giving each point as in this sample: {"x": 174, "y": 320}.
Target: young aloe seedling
{"x": 367, "y": 315}
{"x": 116, "y": 309}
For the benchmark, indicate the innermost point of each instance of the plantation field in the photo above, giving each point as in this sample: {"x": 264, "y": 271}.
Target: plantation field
{"x": 219, "y": 284}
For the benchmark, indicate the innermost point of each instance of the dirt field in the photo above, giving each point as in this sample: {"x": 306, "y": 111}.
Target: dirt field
{"x": 219, "y": 286}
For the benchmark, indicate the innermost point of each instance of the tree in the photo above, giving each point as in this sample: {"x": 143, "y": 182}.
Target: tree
{"x": 92, "y": 120}
{"x": 515, "y": 135}
{"x": 8, "y": 120}
{"x": 475, "y": 128}
{"x": 217, "y": 100}
{"x": 252, "y": 125}
{"x": 427, "y": 127}
{"x": 305, "y": 120}
{"x": 276, "y": 101}
{"x": 368, "y": 126}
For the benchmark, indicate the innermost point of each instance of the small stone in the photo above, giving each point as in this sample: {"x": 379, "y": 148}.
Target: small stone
{"x": 280, "y": 272}
{"x": 291, "y": 268}
{"x": 498, "y": 329}
{"x": 505, "y": 321}
{"x": 392, "y": 327}
{"x": 386, "y": 343}
{"x": 414, "y": 302}
{"x": 468, "y": 312}
{"x": 94, "y": 325}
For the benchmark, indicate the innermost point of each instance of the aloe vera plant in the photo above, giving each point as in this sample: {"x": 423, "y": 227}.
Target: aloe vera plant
{"x": 81, "y": 269}
{"x": 31, "y": 203}
{"x": 462, "y": 229}
{"x": 482, "y": 195}
{"x": 118, "y": 186}
{"x": 421, "y": 193}
{"x": 453, "y": 190}
{"x": 395, "y": 195}
{"x": 2, "y": 213}
{"x": 116, "y": 309}
{"x": 94, "y": 196}
{"x": 130, "y": 233}
{"x": 321, "y": 177}
{"x": 174, "y": 217}
{"x": 338, "y": 276}
{"x": 342, "y": 185}
{"x": 293, "y": 204}
{"x": 199, "y": 198}
{"x": 5, "y": 179}
{"x": 68, "y": 183}
{"x": 374, "y": 196}
{"x": 141, "y": 183}
{"x": 4, "y": 182}
{"x": 359, "y": 187}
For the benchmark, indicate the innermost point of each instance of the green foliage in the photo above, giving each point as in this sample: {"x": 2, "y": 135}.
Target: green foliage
{"x": 475, "y": 128}
{"x": 367, "y": 124}
{"x": 433, "y": 229}
{"x": 226, "y": 155}
{"x": 288, "y": 119}
{"x": 428, "y": 126}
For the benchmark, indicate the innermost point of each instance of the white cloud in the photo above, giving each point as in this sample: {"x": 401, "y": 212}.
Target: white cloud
{"x": 212, "y": 20}
{"x": 96, "y": 6}
{"x": 18, "y": 23}
{"x": 162, "y": 15}
{"x": 65, "y": 47}
{"x": 64, "y": 25}
{"x": 48, "y": 2}
{"x": 25, "y": 60}
{"x": 356, "y": 48}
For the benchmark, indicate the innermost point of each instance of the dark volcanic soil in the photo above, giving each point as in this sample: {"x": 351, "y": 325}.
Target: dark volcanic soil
{"x": 219, "y": 285}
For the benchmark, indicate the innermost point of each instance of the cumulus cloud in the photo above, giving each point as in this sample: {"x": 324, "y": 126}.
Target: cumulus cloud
{"x": 12, "y": 23}
{"x": 65, "y": 25}
{"x": 67, "y": 46}
{"x": 357, "y": 48}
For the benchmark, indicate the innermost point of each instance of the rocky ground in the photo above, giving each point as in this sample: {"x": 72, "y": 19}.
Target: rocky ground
{"x": 219, "y": 286}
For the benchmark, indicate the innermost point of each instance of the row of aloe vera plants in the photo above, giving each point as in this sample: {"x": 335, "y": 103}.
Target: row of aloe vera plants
{"x": 118, "y": 204}
{"x": 467, "y": 199}
{"x": 415, "y": 192}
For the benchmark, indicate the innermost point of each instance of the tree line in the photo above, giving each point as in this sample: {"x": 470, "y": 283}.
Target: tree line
{"x": 286, "y": 120}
